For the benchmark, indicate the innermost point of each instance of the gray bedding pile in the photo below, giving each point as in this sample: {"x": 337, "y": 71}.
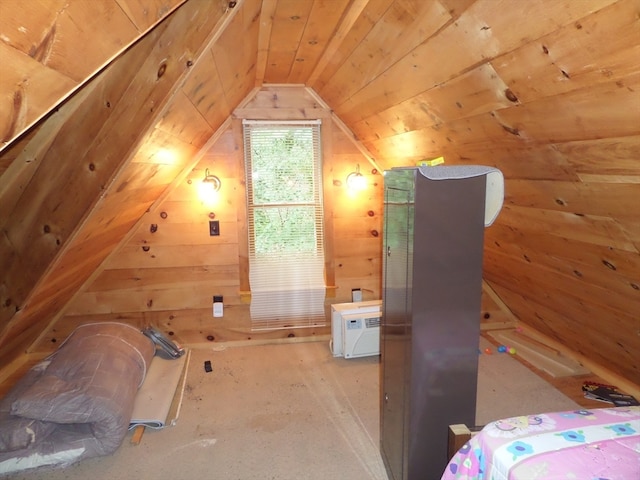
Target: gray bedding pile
{"x": 77, "y": 403}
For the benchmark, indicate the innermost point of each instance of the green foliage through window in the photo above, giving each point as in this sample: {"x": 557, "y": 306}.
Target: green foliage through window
{"x": 284, "y": 188}
{"x": 285, "y": 223}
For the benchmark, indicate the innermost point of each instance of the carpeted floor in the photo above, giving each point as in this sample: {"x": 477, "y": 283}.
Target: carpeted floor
{"x": 290, "y": 411}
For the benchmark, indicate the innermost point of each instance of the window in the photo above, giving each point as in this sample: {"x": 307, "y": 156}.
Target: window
{"x": 285, "y": 223}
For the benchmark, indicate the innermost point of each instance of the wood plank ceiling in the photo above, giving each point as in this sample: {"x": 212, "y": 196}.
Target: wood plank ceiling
{"x": 546, "y": 90}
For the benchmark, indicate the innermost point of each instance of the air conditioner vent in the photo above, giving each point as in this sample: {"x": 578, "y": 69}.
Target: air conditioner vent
{"x": 372, "y": 322}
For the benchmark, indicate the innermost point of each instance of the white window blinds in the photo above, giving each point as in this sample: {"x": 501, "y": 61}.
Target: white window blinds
{"x": 285, "y": 223}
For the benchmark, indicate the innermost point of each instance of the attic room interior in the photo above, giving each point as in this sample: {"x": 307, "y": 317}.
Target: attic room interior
{"x": 114, "y": 112}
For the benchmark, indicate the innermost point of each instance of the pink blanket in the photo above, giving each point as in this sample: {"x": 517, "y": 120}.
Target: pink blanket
{"x": 599, "y": 444}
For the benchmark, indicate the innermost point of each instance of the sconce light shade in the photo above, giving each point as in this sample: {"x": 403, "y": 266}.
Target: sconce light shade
{"x": 355, "y": 180}
{"x": 211, "y": 181}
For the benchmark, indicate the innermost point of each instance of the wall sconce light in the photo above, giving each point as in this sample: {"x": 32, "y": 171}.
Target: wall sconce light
{"x": 355, "y": 180}
{"x": 211, "y": 181}
{"x": 209, "y": 187}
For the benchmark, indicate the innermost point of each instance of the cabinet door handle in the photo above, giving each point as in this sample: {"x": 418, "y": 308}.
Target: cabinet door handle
{"x": 386, "y": 397}
{"x": 388, "y": 251}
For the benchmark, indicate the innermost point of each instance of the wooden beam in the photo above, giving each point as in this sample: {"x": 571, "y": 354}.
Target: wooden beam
{"x": 136, "y": 437}
{"x": 458, "y": 435}
{"x": 539, "y": 354}
{"x": 624, "y": 384}
{"x": 491, "y": 293}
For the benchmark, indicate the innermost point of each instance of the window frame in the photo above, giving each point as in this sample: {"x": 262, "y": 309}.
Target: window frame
{"x": 244, "y": 223}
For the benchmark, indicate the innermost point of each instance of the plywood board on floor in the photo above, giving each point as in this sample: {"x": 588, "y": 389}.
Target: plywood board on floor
{"x": 539, "y": 355}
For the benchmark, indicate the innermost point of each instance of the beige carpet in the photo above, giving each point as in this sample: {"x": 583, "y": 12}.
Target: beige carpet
{"x": 290, "y": 412}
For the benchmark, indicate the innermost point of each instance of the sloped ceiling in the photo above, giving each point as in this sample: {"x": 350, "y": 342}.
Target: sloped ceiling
{"x": 543, "y": 91}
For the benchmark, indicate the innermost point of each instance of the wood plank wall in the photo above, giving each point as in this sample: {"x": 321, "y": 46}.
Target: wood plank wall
{"x": 54, "y": 48}
{"x": 169, "y": 269}
{"x": 98, "y": 156}
{"x": 167, "y": 272}
{"x": 548, "y": 92}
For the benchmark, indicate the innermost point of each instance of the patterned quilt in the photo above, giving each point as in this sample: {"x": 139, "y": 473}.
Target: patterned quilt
{"x": 598, "y": 444}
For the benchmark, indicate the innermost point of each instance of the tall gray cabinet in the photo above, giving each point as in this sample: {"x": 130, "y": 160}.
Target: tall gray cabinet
{"x": 434, "y": 220}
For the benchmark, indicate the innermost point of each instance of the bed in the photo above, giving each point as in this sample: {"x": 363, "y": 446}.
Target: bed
{"x": 595, "y": 444}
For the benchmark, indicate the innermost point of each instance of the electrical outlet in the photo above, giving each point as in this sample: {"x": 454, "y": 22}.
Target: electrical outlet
{"x": 356, "y": 295}
{"x": 218, "y": 306}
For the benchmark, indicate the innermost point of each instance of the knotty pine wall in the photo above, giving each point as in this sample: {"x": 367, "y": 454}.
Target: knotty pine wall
{"x": 46, "y": 45}
{"x": 166, "y": 273}
{"x": 547, "y": 92}
{"x": 75, "y": 184}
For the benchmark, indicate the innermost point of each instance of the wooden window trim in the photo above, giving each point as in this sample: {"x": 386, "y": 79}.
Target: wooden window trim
{"x": 241, "y": 199}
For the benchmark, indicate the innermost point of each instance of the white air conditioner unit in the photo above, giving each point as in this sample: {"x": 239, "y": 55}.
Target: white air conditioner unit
{"x": 361, "y": 334}
{"x": 355, "y": 329}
